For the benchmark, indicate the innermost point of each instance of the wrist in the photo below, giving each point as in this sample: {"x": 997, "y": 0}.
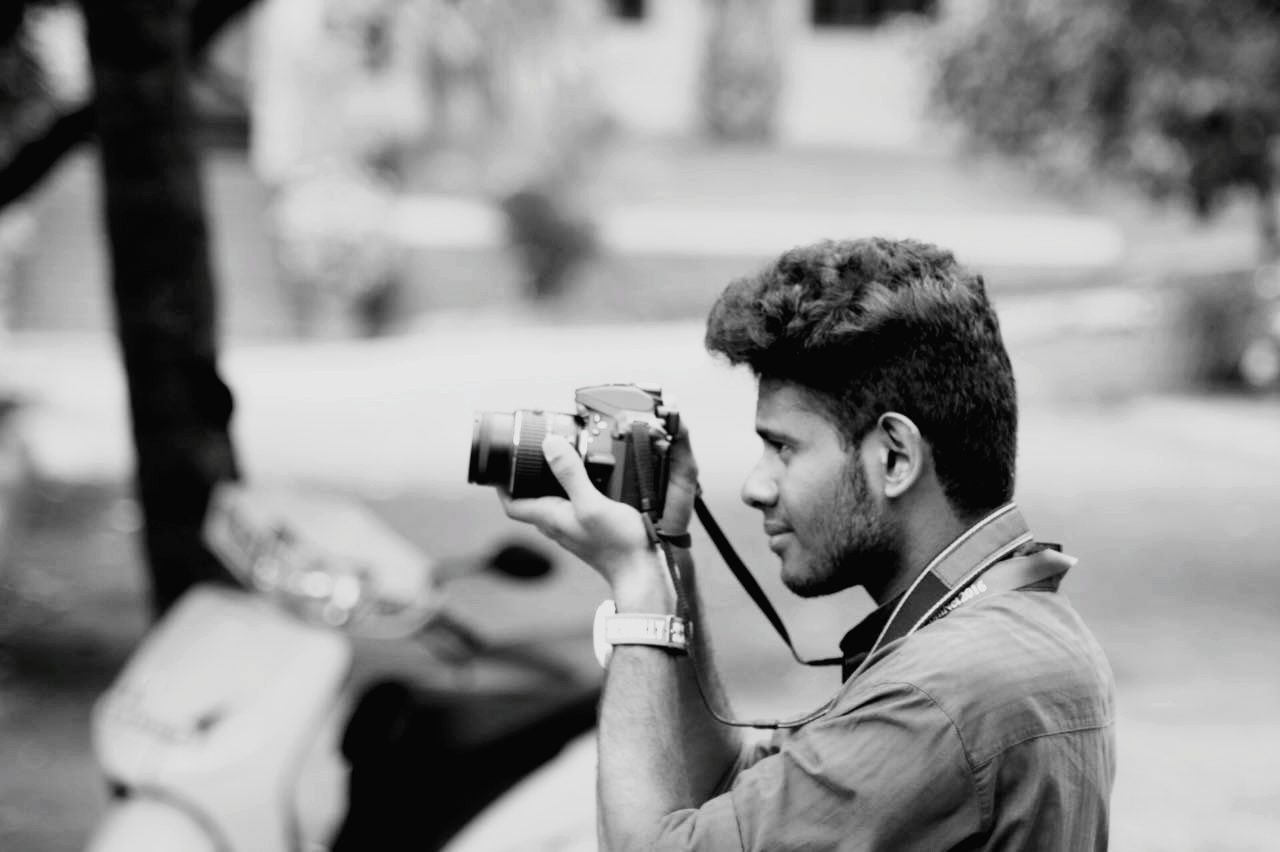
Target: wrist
{"x": 644, "y": 585}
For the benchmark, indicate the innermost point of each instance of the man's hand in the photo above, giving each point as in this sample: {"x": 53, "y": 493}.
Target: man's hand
{"x": 682, "y": 486}
{"x": 660, "y": 750}
{"x": 607, "y": 535}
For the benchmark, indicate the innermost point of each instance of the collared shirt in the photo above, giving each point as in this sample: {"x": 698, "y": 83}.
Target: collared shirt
{"x": 990, "y": 728}
{"x": 858, "y": 643}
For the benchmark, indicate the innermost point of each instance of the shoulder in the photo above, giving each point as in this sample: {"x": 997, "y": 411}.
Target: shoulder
{"x": 889, "y": 774}
{"x": 1002, "y": 670}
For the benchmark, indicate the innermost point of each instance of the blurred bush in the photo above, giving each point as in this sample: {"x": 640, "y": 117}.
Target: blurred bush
{"x": 1230, "y": 323}
{"x": 1178, "y": 98}
{"x": 336, "y": 82}
{"x": 473, "y": 97}
{"x": 339, "y": 104}
{"x": 538, "y": 120}
{"x": 550, "y": 239}
{"x": 26, "y": 104}
{"x": 17, "y": 241}
{"x": 24, "y": 95}
{"x": 341, "y": 266}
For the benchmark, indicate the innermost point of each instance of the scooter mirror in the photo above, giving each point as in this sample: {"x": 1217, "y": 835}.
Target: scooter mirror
{"x": 328, "y": 559}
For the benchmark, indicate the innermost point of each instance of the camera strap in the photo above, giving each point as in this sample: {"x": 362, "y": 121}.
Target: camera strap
{"x": 642, "y": 456}
{"x": 975, "y": 564}
{"x": 749, "y": 583}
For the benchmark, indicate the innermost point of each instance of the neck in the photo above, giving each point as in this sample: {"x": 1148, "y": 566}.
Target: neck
{"x": 921, "y": 537}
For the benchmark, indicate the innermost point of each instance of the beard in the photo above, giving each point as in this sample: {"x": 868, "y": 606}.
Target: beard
{"x": 855, "y": 546}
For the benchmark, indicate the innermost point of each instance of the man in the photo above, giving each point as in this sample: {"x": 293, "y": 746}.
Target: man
{"x": 976, "y": 711}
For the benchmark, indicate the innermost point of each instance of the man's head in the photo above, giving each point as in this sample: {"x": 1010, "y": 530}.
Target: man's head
{"x": 889, "y": 345}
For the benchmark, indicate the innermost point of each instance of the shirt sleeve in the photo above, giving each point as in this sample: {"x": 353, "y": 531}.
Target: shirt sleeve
{"x": 890, "y": 772}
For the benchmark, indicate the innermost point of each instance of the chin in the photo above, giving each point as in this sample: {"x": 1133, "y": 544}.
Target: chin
{"x": 807, "y": 583}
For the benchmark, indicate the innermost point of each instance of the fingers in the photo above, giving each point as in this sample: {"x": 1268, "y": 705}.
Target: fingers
{"x": 555, "y": 517}
{"x": 569, "y": 470}
{"x": 532, "y": 510}
{"x": 683, "y": 467}
{"x": 551, "y": 516}
{"x": 682, "y": 484}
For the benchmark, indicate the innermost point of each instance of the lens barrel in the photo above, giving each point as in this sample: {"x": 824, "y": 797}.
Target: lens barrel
{"x": 492, "y": 446}
{"x": 506, "y": 450}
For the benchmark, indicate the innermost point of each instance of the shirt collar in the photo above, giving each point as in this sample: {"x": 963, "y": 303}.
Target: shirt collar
{"x": 857, "y": 643}
{"x": 953, "y": 563}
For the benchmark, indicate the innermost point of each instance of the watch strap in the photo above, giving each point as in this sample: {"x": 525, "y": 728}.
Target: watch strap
{"x": 666, "y": 631}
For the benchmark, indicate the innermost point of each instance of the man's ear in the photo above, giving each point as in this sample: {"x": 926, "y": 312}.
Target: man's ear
{"x": 902, "y": 453}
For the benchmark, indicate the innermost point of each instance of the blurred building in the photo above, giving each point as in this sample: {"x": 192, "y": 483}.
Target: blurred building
{"x": 853, "y": 73}
{"x": 850, "y": 72}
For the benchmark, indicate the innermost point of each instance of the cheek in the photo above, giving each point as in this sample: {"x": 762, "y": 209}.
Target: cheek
{"x": 815, "y": 496}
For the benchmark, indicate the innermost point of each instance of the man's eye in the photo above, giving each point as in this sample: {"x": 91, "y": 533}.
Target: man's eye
{"x": 776, "y": 447}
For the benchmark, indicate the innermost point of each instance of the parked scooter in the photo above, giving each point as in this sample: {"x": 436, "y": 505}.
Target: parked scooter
{"x": 231, "y": 728}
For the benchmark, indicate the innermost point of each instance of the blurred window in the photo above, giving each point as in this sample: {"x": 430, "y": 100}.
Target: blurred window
{"x": 628, "y": 10}
{"x": 865, "y": 13}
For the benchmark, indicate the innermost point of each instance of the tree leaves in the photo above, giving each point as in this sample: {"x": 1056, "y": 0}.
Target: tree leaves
{"x": 1172, "y": 95}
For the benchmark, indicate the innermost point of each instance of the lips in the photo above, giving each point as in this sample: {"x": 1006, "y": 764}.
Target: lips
{"x": 777, "y": 543}
{"x": 777, "y": 535}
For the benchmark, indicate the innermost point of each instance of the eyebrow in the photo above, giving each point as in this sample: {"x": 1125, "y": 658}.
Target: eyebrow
{"x": 774, "y": 436}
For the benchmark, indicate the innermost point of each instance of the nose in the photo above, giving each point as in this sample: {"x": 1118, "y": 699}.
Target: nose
{"x": 759, "y": 489}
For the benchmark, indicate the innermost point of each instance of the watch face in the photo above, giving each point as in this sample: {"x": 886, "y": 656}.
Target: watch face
{"x": 603, "y": 647}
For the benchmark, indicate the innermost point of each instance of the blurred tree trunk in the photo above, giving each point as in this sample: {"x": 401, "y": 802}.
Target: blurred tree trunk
{"x": 36, "y": 156}
{"x": 161, "y": 278}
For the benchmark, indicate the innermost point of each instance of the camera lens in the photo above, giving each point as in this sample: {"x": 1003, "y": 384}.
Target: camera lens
{"x": 492, "y": 443}
{"x": 506, "y": 450}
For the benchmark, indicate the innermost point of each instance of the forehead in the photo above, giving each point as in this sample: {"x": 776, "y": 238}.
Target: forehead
{"x": 787, "y": 409}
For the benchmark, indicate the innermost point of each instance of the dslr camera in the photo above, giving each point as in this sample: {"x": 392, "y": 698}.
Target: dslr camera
{"x": 623, "y": 433}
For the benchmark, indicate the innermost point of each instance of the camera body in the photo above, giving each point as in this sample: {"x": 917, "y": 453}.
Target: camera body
{"x": 622, "y": 431}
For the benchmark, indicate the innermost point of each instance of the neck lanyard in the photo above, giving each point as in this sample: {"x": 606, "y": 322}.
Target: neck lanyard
{"x": 961, "y": 563}
{"x": 968, "y": 567}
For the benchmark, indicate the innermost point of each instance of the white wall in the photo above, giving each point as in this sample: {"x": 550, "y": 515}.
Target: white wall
{"x": 649, "y": 68}
{"x": 856, "y": 88}
{"x": 862, "y": 88}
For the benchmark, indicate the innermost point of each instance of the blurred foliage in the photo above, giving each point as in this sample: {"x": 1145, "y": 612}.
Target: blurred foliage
{"x": 336, "y": 252}
{"x": 532, "y": 66}
{"x": 25, "y": 103}
{"x": 1229, "y": 323}
{"x": 341, "y": 105}
{"x": 336, "y": 81}
{"x": 551, "y": 240}
{"x": 741, "y": 82}
{"x": 1180, "y": 98}
{"x": 474, "y": 97}
{"x": 513, "y": 85}
{"x": 24, "y": 97}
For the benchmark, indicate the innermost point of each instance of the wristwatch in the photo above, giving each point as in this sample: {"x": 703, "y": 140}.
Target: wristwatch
{"x": 611, "y": 628}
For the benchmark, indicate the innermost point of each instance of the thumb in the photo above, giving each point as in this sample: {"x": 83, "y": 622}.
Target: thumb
{"x": 567, "y": 466}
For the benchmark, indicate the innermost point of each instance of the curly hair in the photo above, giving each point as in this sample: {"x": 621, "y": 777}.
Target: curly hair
{"x": 875, "y": 325}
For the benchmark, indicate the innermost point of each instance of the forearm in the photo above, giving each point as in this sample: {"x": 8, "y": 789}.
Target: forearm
{"x": 660, "y": 749}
